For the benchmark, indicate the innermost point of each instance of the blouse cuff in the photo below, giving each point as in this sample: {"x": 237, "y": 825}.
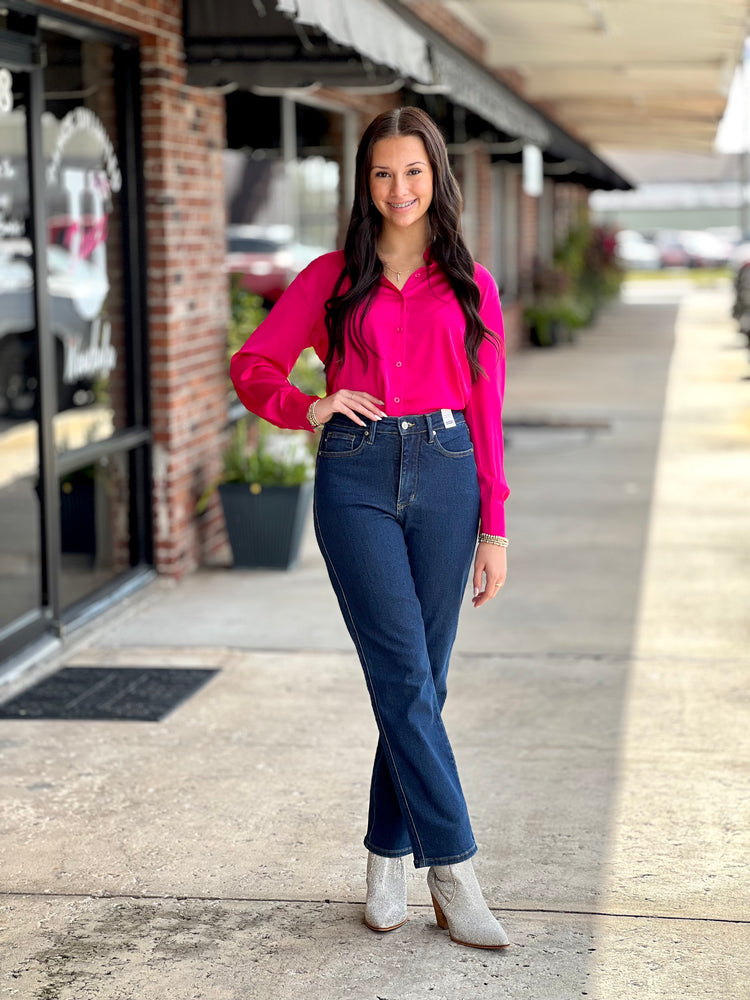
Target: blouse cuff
{"x": 493, "y": 520}
{"x": 296, "y": 411}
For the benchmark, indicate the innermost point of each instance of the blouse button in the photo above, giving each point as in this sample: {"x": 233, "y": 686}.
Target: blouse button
{"x": 398, "y": 364}
{"x": 396, "y": 399}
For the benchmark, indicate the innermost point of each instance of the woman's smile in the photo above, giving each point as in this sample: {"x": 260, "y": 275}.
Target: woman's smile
{"x": 401, "y": 180}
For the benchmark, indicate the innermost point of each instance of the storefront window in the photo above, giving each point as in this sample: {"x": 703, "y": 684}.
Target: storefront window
{"x": 282, "y": 202}
{"x": 20, "y": 545}
{"x": 84, "y": 252}
{"x": 94, "y": 526}
{"x": 74, "y": 489}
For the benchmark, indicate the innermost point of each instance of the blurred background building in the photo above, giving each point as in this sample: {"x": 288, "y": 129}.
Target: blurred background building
{"x": 149, "y": 151}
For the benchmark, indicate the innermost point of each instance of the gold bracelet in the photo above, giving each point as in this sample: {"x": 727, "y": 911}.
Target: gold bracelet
{"x": 494, "y": 539}
{"x": 311, "y": 418}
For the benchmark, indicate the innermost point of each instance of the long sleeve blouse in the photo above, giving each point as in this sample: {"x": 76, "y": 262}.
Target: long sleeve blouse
{"x": 416, "y": 361}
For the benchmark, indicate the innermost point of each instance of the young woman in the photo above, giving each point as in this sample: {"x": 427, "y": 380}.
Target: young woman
{"x": 410, "y": 461}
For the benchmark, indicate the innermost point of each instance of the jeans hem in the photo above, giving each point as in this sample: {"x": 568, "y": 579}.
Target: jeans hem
{"x": 454, "y": 859}
{"x": 381, "y": 852}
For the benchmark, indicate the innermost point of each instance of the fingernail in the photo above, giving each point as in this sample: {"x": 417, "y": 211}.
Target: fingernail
{"x": 476, "y": 591}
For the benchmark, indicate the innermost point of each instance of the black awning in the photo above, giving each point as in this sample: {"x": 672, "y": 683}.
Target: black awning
{"x": 252, "y": 44}
{"x": 287, "y": 44}
{"x": 569, "y": 159}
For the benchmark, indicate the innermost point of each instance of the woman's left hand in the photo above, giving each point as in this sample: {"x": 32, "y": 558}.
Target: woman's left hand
{"x": 491, "y": 563}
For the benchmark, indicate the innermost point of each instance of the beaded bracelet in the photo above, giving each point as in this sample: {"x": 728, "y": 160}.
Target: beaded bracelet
{"x": 311, "y": 418}
{"x": 494, "y": 539}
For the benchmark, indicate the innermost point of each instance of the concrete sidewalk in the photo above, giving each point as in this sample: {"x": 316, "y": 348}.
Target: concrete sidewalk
{"x": 599, "y": 714}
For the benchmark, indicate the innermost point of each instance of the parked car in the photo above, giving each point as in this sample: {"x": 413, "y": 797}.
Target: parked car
{"x": 634, "y": 252}
{"x": 262, "y": 257}
{"x": 692, "y": 248}
{"x": 671, "y": 251}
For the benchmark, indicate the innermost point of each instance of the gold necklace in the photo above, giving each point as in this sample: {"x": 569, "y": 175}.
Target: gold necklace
{"x": 393, "y": 270}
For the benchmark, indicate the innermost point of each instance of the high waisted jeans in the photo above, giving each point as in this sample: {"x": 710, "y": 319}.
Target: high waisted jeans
{"x": 396, "y": 516}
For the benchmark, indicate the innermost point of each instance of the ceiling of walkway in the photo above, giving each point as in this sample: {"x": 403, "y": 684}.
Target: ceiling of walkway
{"x": 633, "y": 73}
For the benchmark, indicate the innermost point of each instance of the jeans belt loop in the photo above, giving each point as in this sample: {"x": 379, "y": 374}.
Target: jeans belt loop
{"x": 430, "y": 428}
{"x": 370, "y": 431}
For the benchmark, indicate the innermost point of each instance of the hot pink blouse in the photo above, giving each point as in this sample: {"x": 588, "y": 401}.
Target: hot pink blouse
{"x": 417, "y": 363}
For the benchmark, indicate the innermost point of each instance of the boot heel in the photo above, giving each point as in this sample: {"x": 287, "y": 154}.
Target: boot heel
{"x": 439, "y": 915}
{"x": 464, "y": 914}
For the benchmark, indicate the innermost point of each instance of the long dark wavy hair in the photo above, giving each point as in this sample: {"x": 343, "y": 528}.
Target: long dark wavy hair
{"x": 346, "y": 312}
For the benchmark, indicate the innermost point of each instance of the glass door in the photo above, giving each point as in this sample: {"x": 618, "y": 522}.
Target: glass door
{"x": 74, "y": 414}
{"x": 94, "y": 416}
{"x": 21, "y": 555}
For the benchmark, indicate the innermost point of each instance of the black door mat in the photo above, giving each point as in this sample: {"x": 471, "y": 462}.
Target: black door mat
{"x": 137, "y": 694}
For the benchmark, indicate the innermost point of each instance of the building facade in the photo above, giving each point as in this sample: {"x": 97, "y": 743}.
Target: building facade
{"x": 133, "y": 133}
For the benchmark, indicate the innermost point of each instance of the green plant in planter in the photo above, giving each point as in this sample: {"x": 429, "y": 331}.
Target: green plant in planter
{"x": 259, "y": 455}
{"x": 247, "y": 312}
{"x": 265, "y": 485}
{"x": 567, "y": 291}
{"x": 277, "y": 458}
{"x": 539, "y": 317}
{"x": 265, "y": 491}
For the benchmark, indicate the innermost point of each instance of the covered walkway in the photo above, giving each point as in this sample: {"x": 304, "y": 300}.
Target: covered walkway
{"x": 598, "y": 713}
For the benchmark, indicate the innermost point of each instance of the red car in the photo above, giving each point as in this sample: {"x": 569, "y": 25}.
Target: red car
{"x": 265, "y": 263}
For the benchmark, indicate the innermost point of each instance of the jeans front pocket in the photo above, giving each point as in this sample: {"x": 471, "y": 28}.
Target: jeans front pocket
{"x": 340, "y": 443}
{"x": 453, "y": 442}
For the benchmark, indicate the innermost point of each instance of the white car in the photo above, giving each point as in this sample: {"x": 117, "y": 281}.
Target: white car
{"x": 705, "y": 249}
{"x": 635, "y": 252}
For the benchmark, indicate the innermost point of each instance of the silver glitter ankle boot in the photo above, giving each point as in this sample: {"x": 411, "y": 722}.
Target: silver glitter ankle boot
{"x": 385, "y": 909}
{"x": 460, "y": 907}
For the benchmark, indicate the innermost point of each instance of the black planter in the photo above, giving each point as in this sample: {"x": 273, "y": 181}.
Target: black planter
{"x": 78, "y": 515}
{"x": 548, "y": 334}
{"x": 265, "y": 528}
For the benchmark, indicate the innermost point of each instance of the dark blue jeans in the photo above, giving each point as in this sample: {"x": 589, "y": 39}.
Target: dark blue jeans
{"x": 396, "y": 517}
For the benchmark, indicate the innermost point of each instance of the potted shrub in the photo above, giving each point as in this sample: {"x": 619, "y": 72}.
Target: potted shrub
{"x": 543, "y": 316}
{"x": 266, "y": 484}
{"x": 566, "y": 292}
{"x": 544, "y": 323}
{"x": 266, "y": 492}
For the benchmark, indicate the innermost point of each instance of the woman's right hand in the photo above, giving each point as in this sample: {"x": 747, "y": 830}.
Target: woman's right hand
{"x": 350, "y": 402}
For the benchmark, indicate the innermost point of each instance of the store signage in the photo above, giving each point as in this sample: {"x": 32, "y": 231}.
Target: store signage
{"x": 88, "y": 190}
{"x": 84, "y": 120}
{"x": 97, "y": 358}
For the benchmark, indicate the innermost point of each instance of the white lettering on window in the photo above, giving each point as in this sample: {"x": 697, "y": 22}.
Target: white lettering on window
{"x": 97, "y": 358}
{"x": 6, "y": 92}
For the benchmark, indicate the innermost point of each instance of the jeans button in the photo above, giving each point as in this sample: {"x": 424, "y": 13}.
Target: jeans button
{"x": 404, "y": 425}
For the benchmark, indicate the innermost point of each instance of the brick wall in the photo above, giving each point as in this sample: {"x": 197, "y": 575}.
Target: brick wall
{"x": 485, "y": 222}
{"x": 528, "y": 238}
{"x": 183, "y": 131}
{"x": 183, "y": 140}
{"x": 515, "y": 335}
{"x": 570, "y": 201}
